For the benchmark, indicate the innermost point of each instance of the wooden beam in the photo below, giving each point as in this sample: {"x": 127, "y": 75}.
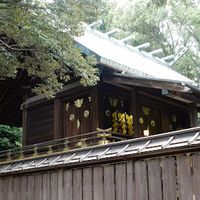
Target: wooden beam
{"x": 142, "y": 82}
{"x": 193, "y": 115}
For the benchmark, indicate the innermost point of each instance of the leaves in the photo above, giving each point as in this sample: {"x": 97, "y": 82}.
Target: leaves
{"x": 38, "y": 37}
{"x": 10, "y": 137}
{"x": 166, "y": 24}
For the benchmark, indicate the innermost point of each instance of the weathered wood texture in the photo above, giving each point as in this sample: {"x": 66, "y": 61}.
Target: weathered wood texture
{"x": 164, "y": 178}
{"x": 40, "y": 124}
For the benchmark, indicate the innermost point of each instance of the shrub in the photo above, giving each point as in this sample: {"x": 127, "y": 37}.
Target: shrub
{"x": 10, "y": 137}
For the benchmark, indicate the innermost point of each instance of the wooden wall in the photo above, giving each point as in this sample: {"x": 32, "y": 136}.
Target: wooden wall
{"x": 40, "y": 124}
{"x": 162, "y": 178}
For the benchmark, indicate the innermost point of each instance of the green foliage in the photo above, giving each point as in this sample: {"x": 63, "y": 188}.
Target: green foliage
{"x": 38, "y": 37}
{"x": 166, "y": 24}
{"x": 10, "y": 137}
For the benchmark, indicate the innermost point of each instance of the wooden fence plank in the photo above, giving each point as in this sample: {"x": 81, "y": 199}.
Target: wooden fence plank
{"x": 98, "y": 183}
{"x": 184, "y": 178}
{"x": 77, "y": 184}
{"x": 23, "y": 187}
{"x": 169, "y": 178}
{"x": 155, "y": 189}
{"x": 30, "y": 188}
{"x": 67, "y": 184}
{"x": 46, "y": 186}
{"x": 10, "y": 188}
{"x": 16, "y": 183}
{"x": 38, "y": 187}
{"x": 1, "y": 189}
{"x": 141, "y": 180}
{"x": 61, "y": 194}
{"x": 196, "y": 175}
{"x": 87, "y": 184}
{"x": 130, "y": 180}
{"x": 54, "y": 186}
{"x": 5, "y": 189}
{"x": 109, "y": 184}
{"x": 120, "y": 177}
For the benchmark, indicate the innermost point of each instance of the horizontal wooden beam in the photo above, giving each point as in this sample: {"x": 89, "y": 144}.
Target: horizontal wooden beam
{"x": 142, "y": 82}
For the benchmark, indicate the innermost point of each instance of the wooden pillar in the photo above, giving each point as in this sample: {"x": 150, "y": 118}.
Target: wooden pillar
{"x": 134, "y": 112}
{"x": 24, "y": 125}
{"x": 95, "y": 108}
{"x": 193, "y": 115}
{"x": 57, "y": 119}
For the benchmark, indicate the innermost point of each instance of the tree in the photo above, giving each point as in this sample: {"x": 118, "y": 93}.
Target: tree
{"x": 37, "y": 37}
{"x": 10, "y": 137}
{"x": 166, "y": 24}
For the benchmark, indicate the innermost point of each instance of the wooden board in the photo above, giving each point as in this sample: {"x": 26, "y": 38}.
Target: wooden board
{"x": 67, "y": 184}
{"x": 30, "y": 187}
{"x": 184, "y": 178}
{"x": 1, "y": 189}
{"x": 5, "y": 189}
{"x": 38, "y": 186}
{"x": 10, "y": 188}
{"x": 98, "y": 183}
{"x": 196, "y": 175}
{"x": 120, "y": 177}
{"x": 169, "y": 178}
{"x": 23, "y": 187}
{"x": 61, "y": 193}
{"x": 87, "y": 184}
{"x": 16, "y": 183}
{"x": 77, "y": 184}
{"x": 46, "y": 186}
{"x": 54, "y": 186}
{"x": 130, "y": 180}
{"x": 109, "y": 184}
{"x": 154, "y": 179}
{"x": 141, "y": 180}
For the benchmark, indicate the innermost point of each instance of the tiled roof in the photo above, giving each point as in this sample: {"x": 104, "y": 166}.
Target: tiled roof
{"x": 157, "y": 144}
{"x": 122, "y": 57}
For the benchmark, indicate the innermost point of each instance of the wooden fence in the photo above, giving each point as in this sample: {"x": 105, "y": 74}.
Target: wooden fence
{"x": 162, "y": 178}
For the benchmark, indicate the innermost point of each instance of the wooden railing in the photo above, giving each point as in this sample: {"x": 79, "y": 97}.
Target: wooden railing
{"x": 63, "y": 145}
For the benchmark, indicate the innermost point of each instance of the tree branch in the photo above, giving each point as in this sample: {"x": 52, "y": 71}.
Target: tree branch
{"x": 15, "y": 49}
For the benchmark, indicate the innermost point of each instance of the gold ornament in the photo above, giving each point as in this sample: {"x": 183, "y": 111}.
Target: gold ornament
{"x": 86, "y": 113}
{"x": 146, "y": 110}
{"x": 141, "y": 120}
{"x": 71, "y": 117}
{"x": 78, "y": 103}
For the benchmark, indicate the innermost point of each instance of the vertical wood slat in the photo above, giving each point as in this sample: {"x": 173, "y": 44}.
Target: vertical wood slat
{"x": 67, "y": 184}
{"x": 16, "y": 183}
{"x": 196, "y": 175}
{"x": 130, "y": 180}
{"x": 4, "y": 189}
{"x": 77, "y": 184}
{"x": 60, "y": 185}
{"x": 10, "y": 188}
{"x": 184, "y": 178}
{"x": 141, "y": 189}
{"x": 169, "y": 178}
{"x": 87, "y": 184}
{"x": 98, "y": 183}
{"x": 154, "y": 179}
{"x": 30, "y": 187}
{"x": 1, "y": 189}
{"x": 23, "y": 187}
{"x": 120, "y": 176}
{"x": 38, "y": 187}
{"x": 109, "y": 185}
{"x": 54, "y": 186}
{"x": 46, "y": 186}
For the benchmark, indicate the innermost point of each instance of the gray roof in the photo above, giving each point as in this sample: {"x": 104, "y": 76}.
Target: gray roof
{"x": 157, "y": 144}
{"x": 122, "y": 57}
